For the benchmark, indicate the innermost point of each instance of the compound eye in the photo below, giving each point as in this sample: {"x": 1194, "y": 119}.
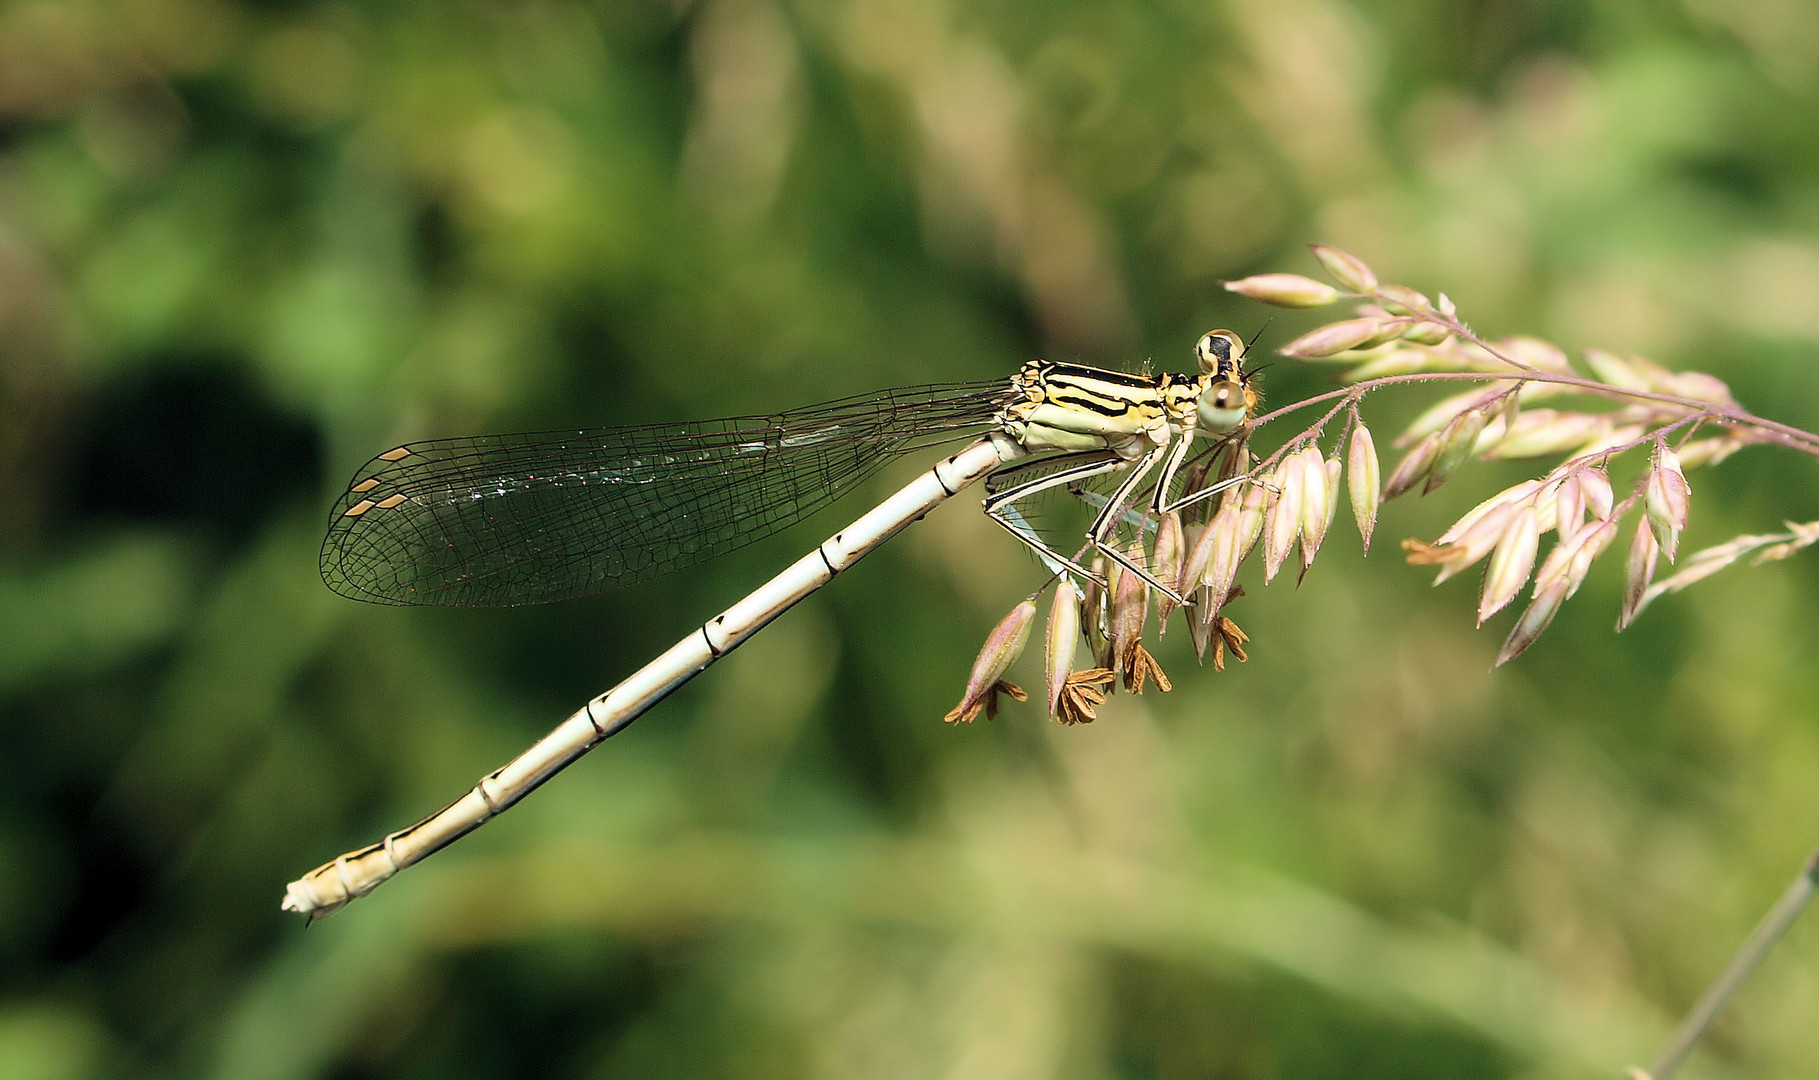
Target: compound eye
{"x": 1224, "y": 407}
{"x": 1218, "y": 352}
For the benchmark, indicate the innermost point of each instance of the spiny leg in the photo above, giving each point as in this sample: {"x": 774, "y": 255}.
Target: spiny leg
{"x": 1183, "y": 443}
{"x": 1021, "y": 471}
{"x": 999, "y": 507}
{"x": 1163, "y": 506}
{"x": 1101, "y": 532}
{"x": 1146, "y": 521}
{"x": 1114, "y": 508}
{"x": 1206, "y": 493}
{"x": 1023, "y": 530}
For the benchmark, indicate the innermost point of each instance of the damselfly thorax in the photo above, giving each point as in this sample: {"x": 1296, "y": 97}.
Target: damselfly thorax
{"x": 516, "y": 519}
{"x": 1106, "y": 421}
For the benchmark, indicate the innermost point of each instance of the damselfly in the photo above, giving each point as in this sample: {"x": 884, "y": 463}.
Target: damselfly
{"x": 517, "y": 519}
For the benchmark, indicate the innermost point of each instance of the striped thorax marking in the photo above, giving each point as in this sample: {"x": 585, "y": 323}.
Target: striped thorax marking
{"x": 1071, "y": 407}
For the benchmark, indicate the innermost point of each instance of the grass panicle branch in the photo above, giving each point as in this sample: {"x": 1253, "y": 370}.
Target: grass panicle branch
{"x": 1530, "y": 402}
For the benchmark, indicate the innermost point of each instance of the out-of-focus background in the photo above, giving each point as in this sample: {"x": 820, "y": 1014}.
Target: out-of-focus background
{"x": 245, "y": 246}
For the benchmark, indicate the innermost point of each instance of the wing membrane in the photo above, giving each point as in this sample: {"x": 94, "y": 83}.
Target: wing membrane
{"x": 497, "y": 520}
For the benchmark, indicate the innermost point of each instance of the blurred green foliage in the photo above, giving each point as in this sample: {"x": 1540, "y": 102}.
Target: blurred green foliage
{"x": 244, "y": 246}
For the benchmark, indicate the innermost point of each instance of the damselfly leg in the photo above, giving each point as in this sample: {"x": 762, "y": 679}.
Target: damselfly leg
{"x": 1074, "y": 469}
{"x": 1000, "y": 506}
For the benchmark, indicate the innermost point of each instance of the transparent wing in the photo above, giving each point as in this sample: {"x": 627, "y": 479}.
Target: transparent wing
{"x": 497, "y": 520}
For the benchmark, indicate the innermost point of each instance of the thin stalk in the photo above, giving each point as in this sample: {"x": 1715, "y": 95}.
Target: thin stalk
{"x": 1742, "y": 965}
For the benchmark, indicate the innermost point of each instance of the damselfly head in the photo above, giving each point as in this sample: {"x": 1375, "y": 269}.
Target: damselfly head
{"x": 1227, "y": 398}
{"x": 1221, "y": 354}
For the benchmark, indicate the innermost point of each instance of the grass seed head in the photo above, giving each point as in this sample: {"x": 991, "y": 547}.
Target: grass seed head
{"x": 1094, "y": 619}
{"x": 1347, "y": 269}
{"x": 1616, "y": 370}
{"x": 1285, "y": 290}
{"x": 1169, "y": 552}
{"x": 1441, "y": 413}
{"x": 1363, "y": 483}
{"x": 1250, "y": 518}
{"x": 1193, "y": 566}
{"x": 1130, "y": 610}
{"x": 1667, "y": 499}
{"x": 1708, "y": 561}
{"x": 1536, "y": 353}
{"x": 1334, "y": 469}
{"x": 1316, "y": 503}
{"x": 1002, "y": 647}
{"x": 1702, "y": 452}
{"x": 1283, "y": 522}
{"x": 1638, "y": 572}
{"x": 1701, "y": 387}
{"x": 1063, "y": 638}
{"x": 1413, "y": 468}
{"x": 1569, "y": 506}
{"x": 1546, "y": 431}
{"x": 1457, "y": 441}
{"x": 1427, "y": 332}
{"x": 1391, "y": 362}
{"x": 1509, "y": 496}
{"x": 1344, "y": 336}
{"x": 1532, "y": 622}
{"x": 1473, "y": 544}
{"x": 1510, "y": 562}
{"x": 1572, "y": 558}
{"x": 1595, "y": 485}
{"x": 1402, "y": 300}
